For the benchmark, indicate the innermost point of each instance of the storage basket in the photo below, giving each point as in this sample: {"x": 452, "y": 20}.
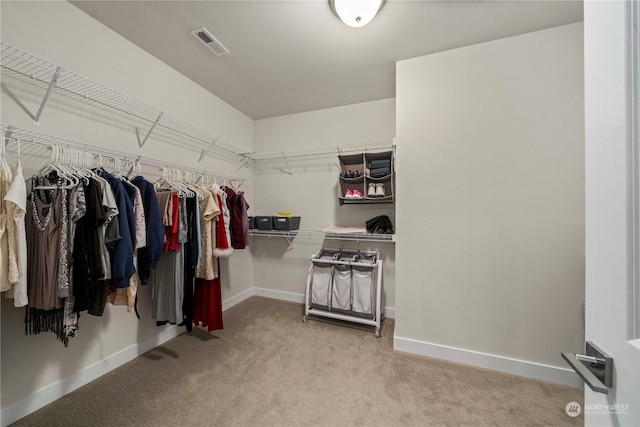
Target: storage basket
{"x": 286, "y": 223}
{"x": 264, "y": 223}
{"x": 252, "y": 223}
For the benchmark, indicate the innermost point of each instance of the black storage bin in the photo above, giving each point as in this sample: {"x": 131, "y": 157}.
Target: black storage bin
{"x": 286, "y": 223}
{"x": 264, "y": 223}
{"x": 252, "y": 223}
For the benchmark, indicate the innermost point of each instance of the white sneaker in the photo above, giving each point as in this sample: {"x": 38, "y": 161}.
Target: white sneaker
{"x": 380, "y": 190}
{"x": 371, "y": 192}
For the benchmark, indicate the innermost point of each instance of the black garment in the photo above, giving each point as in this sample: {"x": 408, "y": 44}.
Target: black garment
{"x": 190, "y": 249}
{"x": 87, "y": 266}
{"x": 380, "y": 225}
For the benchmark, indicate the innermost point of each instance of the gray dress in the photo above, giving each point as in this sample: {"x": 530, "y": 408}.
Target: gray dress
{"x": 43, "y": 221}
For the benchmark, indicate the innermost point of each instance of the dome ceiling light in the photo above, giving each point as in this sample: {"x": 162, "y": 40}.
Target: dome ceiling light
{"x": 356, "y": 13}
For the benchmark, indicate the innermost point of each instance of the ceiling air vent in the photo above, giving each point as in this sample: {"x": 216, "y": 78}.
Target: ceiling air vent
{"x": 209, "y": 41}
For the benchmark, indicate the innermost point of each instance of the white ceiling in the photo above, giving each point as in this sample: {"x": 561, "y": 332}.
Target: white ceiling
{"x": 295, "y": 56}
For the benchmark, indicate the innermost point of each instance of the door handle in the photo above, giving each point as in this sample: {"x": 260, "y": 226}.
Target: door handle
{"x": 595, "y": 368}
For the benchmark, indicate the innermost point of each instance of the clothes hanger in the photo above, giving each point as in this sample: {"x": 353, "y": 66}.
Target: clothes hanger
{"x": 235, "y": 184}
{"x": 77, "y": 161}
{"x": 54, "y": 166}
{"x": 68, "y": 167}
{"x": 3, "y": 159}
{"x": 191, "y": 185}
{"x": 132, "y": 173}
{"x": 166, "y": 184}
{"x": 186, "y": 192}
{"x": 18, "y": 142}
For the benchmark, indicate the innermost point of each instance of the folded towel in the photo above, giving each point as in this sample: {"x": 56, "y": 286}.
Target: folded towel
{"x": 336, "y": 229}
{"x": 380, "y": 172}
{"x": 376, "y": 164}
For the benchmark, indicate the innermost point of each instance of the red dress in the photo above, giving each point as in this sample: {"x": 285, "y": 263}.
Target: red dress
{"x": 207, "y": 310}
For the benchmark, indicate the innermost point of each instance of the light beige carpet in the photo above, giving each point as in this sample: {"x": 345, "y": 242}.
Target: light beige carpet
{"x": 266, "y": 368}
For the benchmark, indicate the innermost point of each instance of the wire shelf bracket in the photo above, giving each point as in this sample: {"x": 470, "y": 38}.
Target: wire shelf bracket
{"x": 52, "y": 84}
{"x": 151, "y": 129}
{"x": 284, "y": 156}
{"x": 206, "y": 151}
{"x": 244, "y": 161}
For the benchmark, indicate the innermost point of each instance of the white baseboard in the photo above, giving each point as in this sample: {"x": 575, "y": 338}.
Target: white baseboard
{"x": 522, "y": 368}
{"x": 281, "y": 295}
{"x": 237, "y": 299}
{"x": 299, "y": 298}
{"x": 54, "y": 391}
{"x": 12, "y": 413}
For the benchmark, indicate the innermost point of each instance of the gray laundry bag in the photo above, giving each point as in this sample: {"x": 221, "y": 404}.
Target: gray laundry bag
{"x": 321, "y": 278}
{"x": 341, "y": 292}
{"x": 363, "y": 279}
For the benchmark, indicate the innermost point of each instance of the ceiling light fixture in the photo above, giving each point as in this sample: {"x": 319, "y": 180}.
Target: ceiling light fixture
{"x": 356, "y": 13}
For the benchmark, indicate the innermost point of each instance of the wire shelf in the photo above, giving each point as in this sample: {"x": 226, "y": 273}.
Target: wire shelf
{"x": 31, "y": 67}
{"x": 335, "y": 150}
{"x": 319, "y": 234}
{"x": 29, "y": 136}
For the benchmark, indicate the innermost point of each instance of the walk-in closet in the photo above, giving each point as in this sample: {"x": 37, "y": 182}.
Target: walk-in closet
{"x": 275, "y": 213}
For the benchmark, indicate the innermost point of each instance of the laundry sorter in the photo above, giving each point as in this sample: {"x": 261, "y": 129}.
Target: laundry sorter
{"x": 346, "y": 285}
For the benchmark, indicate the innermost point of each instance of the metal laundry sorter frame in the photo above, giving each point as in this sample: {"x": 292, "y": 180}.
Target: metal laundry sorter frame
{"x": 327, "y": 293}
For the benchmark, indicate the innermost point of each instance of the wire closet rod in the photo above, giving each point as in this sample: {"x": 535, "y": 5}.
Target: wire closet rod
{"x": 11, "y": 132}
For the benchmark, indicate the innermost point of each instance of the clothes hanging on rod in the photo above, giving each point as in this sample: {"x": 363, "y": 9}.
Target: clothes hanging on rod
{"x": 44, "y": 233}
{"x": 223, "y": 246}
{"x": 16, "y": 207}
{"x": 209, "y": 212}
{"x": 149, "y": 255}
{"x": 92, "y": 236}
{"x": 127, "y": 296}
{"x": 239, "y": 227}
{"x": 6, "y": 177}
{"x": 13, "y": 258}
{"x": 168, "y": 277}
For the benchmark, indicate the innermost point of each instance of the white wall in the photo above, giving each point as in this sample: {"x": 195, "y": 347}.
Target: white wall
{"x": 62, "y": 34}
{"x": 311, "y": 192}
{"x": 490, "y": 159}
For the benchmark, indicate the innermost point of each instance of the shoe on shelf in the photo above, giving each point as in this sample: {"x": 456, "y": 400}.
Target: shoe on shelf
{"x": 367, "y": 172}
{"x": 357, "y": 174}
{"x": 343, "y": 174}
{"x": 371, "y": 192}
{"x": 357, "y": 195}
{"x": 349, "y": 174}
{"x": 348, "y": 194}
{"x": 380, "y": 190}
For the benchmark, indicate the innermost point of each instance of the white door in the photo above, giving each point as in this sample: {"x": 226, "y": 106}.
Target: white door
{"x": 612, "y": 258}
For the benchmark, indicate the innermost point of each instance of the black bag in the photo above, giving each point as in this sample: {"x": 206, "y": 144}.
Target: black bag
{"x": 380, "y": 225}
